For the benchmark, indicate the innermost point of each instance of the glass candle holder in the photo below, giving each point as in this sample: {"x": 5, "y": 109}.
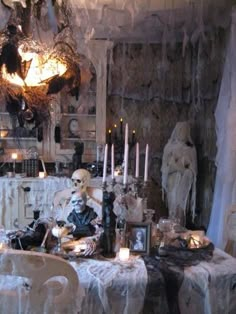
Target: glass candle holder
{"x": 124, "y": 254}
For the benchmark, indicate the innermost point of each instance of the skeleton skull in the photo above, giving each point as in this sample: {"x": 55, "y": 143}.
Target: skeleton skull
{"x": 80, "y": 179}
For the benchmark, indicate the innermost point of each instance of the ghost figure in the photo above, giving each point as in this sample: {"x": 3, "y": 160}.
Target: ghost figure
{"x": 179, "y": 172}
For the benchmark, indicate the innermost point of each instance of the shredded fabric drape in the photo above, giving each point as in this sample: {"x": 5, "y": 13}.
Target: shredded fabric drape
{"x": 225, "y": 115}
{"x": 179, "y": 172}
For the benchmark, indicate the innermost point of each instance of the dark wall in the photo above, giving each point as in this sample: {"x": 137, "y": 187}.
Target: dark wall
{"x": 152, "y": 87}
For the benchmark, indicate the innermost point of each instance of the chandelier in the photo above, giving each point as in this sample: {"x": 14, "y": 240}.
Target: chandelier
{"x": 30, "y": 74}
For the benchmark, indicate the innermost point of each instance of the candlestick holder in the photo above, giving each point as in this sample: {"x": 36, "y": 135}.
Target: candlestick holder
{"x": 125, "y": 188}
{"x": 113, "y": 183}
{"x": 137, "y": 187}
{"x": 14, "y": 167}
{"x": 104, "y": 186}
{"x": 144, "y": 191}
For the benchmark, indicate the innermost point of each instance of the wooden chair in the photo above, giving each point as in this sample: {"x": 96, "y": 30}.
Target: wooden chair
{"x": 32, "y": 284}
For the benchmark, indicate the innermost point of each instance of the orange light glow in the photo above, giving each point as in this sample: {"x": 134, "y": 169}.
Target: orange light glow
{"x": 3, "y": 133}
{"x": 42, "y": 68}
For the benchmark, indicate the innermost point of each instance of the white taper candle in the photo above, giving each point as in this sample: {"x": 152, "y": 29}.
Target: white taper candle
{"x": 112, "y": 162}
{"x": 126, "y": 134}
{"x": 105, "y": 164}
{"x": 126, "y": 164}
{"x": 146, "y": 164}
{"x": 137, "y": 161}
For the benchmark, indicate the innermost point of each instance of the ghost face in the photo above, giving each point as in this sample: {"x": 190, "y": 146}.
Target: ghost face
{"x": 78, "y": 202}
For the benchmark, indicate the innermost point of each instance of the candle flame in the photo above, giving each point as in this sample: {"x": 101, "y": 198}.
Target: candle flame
{"x": 115, "y": 126}
{"x": 133, "y": 131}
{"x": 109, "y": 131}
{"x": 121, "y": 120}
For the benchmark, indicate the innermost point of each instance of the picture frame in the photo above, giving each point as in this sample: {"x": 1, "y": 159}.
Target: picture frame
{"x": 138, "y": 237}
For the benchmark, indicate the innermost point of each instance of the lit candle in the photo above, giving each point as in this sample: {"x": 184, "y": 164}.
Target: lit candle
{"x": 126, "y": 164}
{"x": 14, "y": 156}
{"x": 133, "y": 137}
{"x": 105, "y": 164}
{"x": 124, "y": 254}
{"x": 121, "y": 127}
{"x": 195, "y": 241}
{"x": 41, "y": 175}
{"x": 80, "y": 247}
{"x": 126, "y": 134}
{"x": 146, "y": 164}
{"x": 109, "y": 136}
{"x": 112, "y": 162}
{"x": 115, "y": 132}
{"x": 137, "y": 161}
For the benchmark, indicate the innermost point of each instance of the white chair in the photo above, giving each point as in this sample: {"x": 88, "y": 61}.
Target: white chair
{"x": 36, "y": 283}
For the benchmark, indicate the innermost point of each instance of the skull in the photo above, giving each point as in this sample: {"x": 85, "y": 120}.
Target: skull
{"x": 80, "y": 179}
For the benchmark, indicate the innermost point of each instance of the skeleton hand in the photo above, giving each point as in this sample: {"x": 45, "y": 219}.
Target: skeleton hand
{"x": 96, "y": 221}
{"x": 90, "y": 245}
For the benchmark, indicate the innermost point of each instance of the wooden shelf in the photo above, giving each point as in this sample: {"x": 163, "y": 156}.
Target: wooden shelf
{"x": 78, "y": 115}
{"x": 18, "y": 138}
{"x": 79, "y": 139}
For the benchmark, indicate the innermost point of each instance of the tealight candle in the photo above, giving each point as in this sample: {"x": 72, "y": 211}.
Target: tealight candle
{"x": 195, "y": 241}
{"x": 124, "y": 254}
{"x": 80, "y": 247}
{"x": 14, "y": 156}
{"x": 41, "y": 175}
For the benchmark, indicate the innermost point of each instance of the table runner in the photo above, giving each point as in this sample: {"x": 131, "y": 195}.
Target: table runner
{"x": 206, "y": 288}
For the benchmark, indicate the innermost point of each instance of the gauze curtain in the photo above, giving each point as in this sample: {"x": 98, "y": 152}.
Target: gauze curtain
{"x": 225, "y": 115}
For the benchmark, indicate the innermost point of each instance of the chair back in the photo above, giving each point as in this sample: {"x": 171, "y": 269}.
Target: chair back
{"x": 35, "y": 283}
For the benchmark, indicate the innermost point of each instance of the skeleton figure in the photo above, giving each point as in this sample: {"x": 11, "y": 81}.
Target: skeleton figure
{"x": 80, "y": 182}
{"x": 179, "y": 171}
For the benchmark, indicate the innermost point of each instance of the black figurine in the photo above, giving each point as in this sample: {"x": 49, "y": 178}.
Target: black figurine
{"x": 77, "y": 156}
{"x": 109, "y": 224}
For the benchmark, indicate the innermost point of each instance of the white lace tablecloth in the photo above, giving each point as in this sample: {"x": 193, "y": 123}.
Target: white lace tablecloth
{"x": 210, "y": 287}
{"x": 112, "y": 287}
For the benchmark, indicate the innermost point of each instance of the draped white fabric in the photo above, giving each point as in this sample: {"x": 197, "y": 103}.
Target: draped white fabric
{"x": 225, "y": 114}
{"x": 112, "y": 287}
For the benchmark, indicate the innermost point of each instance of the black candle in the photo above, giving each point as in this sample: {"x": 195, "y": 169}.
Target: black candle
{"x": 109, "y": 136}
{"x": 115, "y": 132}
{"x": 133, "y": 137}
{"x": 121, "y": 127}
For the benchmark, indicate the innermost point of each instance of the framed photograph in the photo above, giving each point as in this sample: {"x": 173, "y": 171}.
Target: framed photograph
{"x": 138, "y": 237}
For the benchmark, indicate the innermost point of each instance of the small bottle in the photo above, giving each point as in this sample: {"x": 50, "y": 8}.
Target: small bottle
{"x": 159, "y": 235}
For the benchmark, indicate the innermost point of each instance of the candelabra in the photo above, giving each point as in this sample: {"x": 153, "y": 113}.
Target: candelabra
{"x": 119, "y": 142}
